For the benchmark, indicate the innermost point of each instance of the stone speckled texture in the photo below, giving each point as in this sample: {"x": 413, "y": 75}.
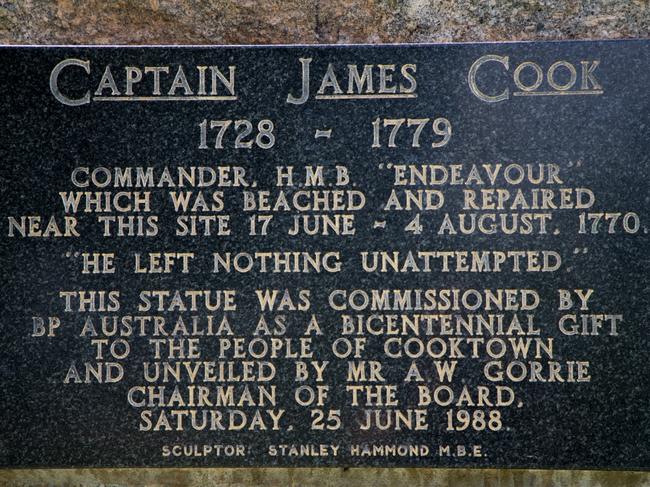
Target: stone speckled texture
{"x": 317, "y": 21}
{"x": 309, "y": 21}
{"x": 330, "y": 477}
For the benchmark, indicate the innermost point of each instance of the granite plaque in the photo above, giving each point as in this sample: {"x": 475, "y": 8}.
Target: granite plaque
{"x": 403, "y": 255}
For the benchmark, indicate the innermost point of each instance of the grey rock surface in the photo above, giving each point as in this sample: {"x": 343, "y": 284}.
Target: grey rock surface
{"x": 316, "y": 21}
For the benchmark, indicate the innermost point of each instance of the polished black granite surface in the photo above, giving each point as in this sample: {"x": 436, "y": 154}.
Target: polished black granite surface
{"x": 434, "y": 187}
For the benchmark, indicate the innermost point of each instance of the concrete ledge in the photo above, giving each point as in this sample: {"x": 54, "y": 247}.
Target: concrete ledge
{"x": 319, "y": 477}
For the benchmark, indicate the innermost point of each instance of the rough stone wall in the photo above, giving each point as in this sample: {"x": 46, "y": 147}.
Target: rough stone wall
{"x": 316, "y": 21}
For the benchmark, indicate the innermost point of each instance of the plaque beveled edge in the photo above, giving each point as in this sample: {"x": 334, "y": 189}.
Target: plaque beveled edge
{"x": 330, "y": 45}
